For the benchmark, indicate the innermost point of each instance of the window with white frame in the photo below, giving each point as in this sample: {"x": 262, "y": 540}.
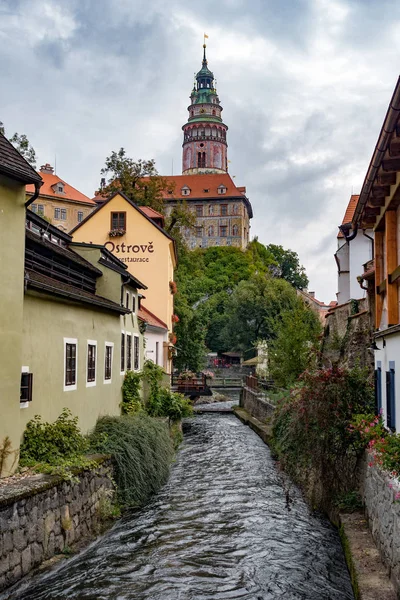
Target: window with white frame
{"x": 108, "y": 357}
{"x": 127, "y": 300}
{"x": 133, "y": 303}
{"x": 70, "y": 364}
{"x": 63, "y": 214}
{"x": 136, "y": 358}
{"x": 91, "y": 361}
{"x": 57, "y": 213}
{"x": 80, "y": 216}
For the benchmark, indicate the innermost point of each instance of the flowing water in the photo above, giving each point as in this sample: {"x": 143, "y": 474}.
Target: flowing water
{"x": 221, "y": 528}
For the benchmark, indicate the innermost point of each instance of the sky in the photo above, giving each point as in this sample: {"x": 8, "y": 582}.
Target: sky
{"x": 305, "y": 85}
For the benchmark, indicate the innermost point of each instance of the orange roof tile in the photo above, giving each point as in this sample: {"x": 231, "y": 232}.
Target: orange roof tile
{"x": 350, "y": 210}
{"x": 150, "y": 318}
{"x": 70, "y": 193}
{"x": 151, "y": 213}
{"x": 199, "y": 183}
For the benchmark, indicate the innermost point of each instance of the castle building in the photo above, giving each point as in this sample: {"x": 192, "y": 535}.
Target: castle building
{"x": 222, "y": 210}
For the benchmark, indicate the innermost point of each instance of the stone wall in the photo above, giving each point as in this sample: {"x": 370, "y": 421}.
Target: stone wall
{"x": 383, "y": 514}
{"x": 348, "y": 334}
{"x": 42, "y": 515}
{"x": 256, "y": 404}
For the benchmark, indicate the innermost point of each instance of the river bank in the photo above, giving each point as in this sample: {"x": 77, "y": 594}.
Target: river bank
{"x": 219, "y": 528}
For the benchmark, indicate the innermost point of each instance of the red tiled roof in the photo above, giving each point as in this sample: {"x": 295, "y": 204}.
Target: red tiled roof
{"x": 151, "y": 213}
{"x": 199, "y": 183}
{"x": 71, "y": 193}
{"x": 150, "y": 318}
{"x": 350, "y": 210}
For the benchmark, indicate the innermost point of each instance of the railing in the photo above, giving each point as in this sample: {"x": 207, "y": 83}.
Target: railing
{"x": 258, "y": 385}
{"x": 225, "y": 382}
{"x": 189, "y": 386}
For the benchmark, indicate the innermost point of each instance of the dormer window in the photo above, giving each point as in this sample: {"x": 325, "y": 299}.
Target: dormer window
{"x": 58, "y": 187}
{"x": 185, "y": 191}
{"x": 221, "y": 189}
{"x": 206, "y": 191}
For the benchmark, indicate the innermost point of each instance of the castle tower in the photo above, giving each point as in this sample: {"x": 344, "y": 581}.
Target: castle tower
{"x": 204, "y": 135}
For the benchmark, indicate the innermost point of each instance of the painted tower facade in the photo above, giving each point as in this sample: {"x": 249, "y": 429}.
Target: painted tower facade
{"x": 204, "y": 135}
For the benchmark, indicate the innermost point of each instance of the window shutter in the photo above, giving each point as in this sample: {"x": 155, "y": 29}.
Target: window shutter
{"x": 378, "y": 390}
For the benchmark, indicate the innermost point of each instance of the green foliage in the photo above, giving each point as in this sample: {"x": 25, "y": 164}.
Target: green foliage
{"x": 131, "y": 401}
{"x": 289, "y": 266}
{"x": 384, "y": 446}
{"x": 57, "y": 443}
{"x": 311, "y": 432}
{"x": 21, "y": 143}
{"x": 349, "y": 502}
{"x": 169, "y": 404}
{"x": 5, "y": 452}
{"x": 161, "y": 401}
{"x": 297, "y": 331}
{"x": 142, "y": 451}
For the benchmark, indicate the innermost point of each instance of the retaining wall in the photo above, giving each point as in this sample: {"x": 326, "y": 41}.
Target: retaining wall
{"x": 256, "y": 404}
{"x": 42, "y": 515}
{"x": 378, "y": 491}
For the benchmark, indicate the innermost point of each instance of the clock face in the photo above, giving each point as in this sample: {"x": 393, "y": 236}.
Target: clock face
{"x": 202, "y": 110}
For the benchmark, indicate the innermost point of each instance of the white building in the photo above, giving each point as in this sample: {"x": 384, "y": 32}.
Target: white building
{"x": 156, "y": 338}
{"x": 353, "y": 252}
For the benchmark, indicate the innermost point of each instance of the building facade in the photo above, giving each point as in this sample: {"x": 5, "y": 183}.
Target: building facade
{"x": 147, "y": 251}
{"x": 221, "y": 209}
{"x": 378, "y": 208}
{"x": 58, "y": 202}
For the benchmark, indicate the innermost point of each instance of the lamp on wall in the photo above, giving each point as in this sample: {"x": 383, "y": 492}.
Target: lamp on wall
{"x": 373, "y": 346}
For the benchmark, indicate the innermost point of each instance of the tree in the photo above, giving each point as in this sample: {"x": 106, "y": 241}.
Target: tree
{"x": 254, "y": 308}
{"x": 289, "y": 266}
{"x": 290, "y": 353}
{"x": 21, "y": 143}
{"x": 190, "y": 331}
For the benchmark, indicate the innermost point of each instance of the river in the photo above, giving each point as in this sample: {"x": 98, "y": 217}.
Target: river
{"x": 219, "y": 529}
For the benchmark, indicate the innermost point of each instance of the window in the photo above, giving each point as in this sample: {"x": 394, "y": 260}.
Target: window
{"x": 199, "y": 232}
{"x": 122, "y": 351}
{"x": 63, "y": 214}
{"x": 91, "y": 363}
{"x": 133, "y": 303}
{"x": 199, "y": 211}
{"x": 378, "y": 387}
{"x": 390, "y": 397}
{"x": 34, "y": 208}
{"x": 108, "y": 362}
{"x": 57, "y": 213}
{"x": 201, "y": 159}
{"x": 26, "y": 386}
{"x": 127, "y": 300}
{"x": 118, "y": 220}
{"x": 128, "y": 351}
{"x": 223, "y": 231}
{"x": 60, "y": 188}
{"x": 136, "y": 353}
{"x": 157, "y": 352}
{"x": 210, "y": 231}
{"x": 40, "y": 209}
{"x": 80, "y": 216}
{"x": 224, "y": 210}
{"x": 221, "y": 189}
{"x": 185, "y": 191}
{"x": 70, "y": 361}
{"x": 206, "y": 190}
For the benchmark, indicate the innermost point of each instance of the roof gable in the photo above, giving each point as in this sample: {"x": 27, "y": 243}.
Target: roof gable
{"x": 350, "y": 210}
{"x": 14, "y": 165}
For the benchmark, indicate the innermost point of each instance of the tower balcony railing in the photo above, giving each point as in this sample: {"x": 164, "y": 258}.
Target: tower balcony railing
{"x": 203, "y": 138}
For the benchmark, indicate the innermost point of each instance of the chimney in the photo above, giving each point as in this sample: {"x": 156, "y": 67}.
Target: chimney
{"x": 312, "y": 294}
{"x": 47, "y": 169}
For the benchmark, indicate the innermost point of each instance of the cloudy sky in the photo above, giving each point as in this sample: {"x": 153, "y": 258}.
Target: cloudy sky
{"x": 305, "y": 85}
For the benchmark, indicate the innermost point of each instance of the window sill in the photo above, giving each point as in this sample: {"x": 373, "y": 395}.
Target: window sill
{"x": 70, "y": 388}
{"x": 24, "y": 404}
{"x": 107, "y": 381}
{"x": 91, "y": 384}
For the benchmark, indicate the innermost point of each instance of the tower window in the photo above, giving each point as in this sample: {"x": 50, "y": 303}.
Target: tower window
{"x": 199, "y": 232}
{"x": 223, "y": 231}
{"x": 201, "y": 159}
{"x": 199, "y": 210}
{"x": 224, "y": 210}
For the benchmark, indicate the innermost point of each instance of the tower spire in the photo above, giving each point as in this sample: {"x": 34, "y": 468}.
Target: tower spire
{"x": 204, "y": 55}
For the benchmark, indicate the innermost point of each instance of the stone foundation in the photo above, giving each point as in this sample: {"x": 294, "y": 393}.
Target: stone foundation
{"x": 42, "y": 515}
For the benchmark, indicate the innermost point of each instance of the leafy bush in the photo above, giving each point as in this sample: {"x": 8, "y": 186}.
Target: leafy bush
{"x": 142, "y": 451}
{"x": 383, "y": 446}
{"x": 311, "y": 428}
{"x": 169, "y": 404}
{"x": 52, "y": 443}
{"x": 131, "y": 401}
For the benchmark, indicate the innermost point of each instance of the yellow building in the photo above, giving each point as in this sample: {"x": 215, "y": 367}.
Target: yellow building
{"x": 146, "y": 249}
{"x": 60, "y": 203}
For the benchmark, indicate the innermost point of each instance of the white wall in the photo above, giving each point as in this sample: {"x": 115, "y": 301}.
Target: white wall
{"x": 152, "y": 336}
{"x": 360, "y": 253}
{"x": 342, "y": 255}
{"x": 386, "y": 354}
